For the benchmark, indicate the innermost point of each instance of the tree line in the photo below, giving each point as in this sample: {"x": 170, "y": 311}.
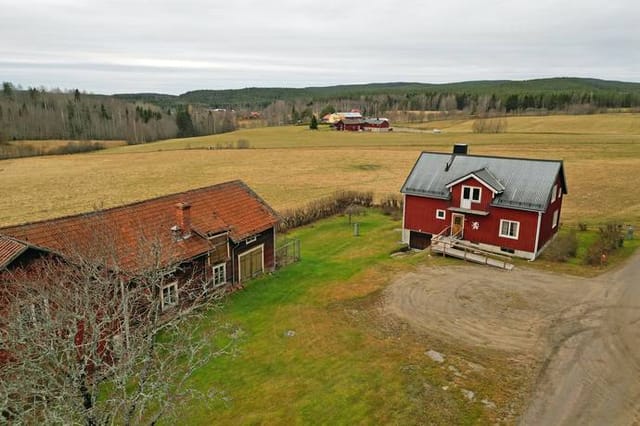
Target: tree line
{"x": 40, "y": 114}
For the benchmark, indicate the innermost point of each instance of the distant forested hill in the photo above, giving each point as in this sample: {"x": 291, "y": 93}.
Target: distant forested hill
{"x": 39, "y": 114}
{"x": 552, "y": 94}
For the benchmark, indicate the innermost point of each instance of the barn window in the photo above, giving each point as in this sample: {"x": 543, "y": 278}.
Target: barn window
{"x": 509, "y": 229}
{"x": 169, "y": 295}
{"x": 554, "y": 192}
{"x": 559, "y": 192}
{"x": 250, "y": 240}
{"x": 441, "y": 214}
{"x": 555, "y": 219}
{"x": 219, "y": 274}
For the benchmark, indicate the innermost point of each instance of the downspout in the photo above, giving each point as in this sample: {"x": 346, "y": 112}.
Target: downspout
{"x": 404, "y": 207}
{"x": 535, "y": 249}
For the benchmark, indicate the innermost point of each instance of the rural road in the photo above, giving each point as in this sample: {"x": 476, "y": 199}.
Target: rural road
{"x": 592, "y": 373}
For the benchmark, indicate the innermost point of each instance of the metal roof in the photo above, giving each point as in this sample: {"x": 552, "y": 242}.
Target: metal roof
{"x": 527, "y": 183}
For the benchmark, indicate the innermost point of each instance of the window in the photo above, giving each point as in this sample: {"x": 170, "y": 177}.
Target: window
{"x": 559, "y": 192}
{"x": 169, "y": 295}
{"x": 472, "y": 193}
{"x": 554, "y": 191}
{"x": 509, "y": 229}
{"x": 441, "y": 214}
{"x": 219, "y": 274}
{"x": 250, "y": 240}
{"x": 475, "y": 195}
{"x": 555, "y": 219}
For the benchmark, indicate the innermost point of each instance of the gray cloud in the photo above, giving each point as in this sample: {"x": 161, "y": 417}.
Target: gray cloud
{"x": 167, "y": 46}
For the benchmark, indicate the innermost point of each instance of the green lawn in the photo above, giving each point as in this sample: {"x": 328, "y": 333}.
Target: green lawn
{"x": 344, "y": 365}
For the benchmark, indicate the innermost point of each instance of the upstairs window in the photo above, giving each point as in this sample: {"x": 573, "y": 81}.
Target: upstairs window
{"x": 554, "y": 191}
{"x": 441, "y": 214}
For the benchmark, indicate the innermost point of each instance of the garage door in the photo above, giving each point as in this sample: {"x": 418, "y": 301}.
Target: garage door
{"x": 418, "y": 240}
{"x": 251, "y": 263}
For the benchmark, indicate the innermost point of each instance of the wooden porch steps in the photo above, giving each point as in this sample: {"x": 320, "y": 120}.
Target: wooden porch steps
{"x": 451, "y": 246}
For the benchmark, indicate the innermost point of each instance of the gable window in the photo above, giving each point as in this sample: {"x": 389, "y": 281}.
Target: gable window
{"x": 509, "y": 229}
{"x": 219, "y": 274}
{"x": 555, "y": 219}
{"x": 470, "y": 194}
{"x": 554, "y": 191}
{"x": 559, "y": 192}
{"x": 441, "y": 214}
{"x": 169, "y": 295}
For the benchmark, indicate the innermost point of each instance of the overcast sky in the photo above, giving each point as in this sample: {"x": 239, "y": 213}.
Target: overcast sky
{"x": 115, "y": 46}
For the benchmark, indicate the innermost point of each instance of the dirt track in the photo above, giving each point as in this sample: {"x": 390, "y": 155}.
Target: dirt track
{"x": 584, "y": 332}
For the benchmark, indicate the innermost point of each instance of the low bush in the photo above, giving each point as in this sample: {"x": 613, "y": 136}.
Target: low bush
{"x": 562, "y": 248}
{"x": 610, "y": 239}
{"x": 324, "y": 207}
{"x": 391, "y": 205}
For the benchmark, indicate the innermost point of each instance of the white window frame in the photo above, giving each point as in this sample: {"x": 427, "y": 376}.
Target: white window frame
{"x": 471, "y": 191}
{"x": 511, "y": 223}
{"x": 554, "y": 192}
{"x": 559, "y": 192}
{"x": 555, "y": 219}
{"x": 441, "y": 214}
{"x": 220, "y": 268}
{"x": 250, "y": 240}
{"x": 167, "y": 305}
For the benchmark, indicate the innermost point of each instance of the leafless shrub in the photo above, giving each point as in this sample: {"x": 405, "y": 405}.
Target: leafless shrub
{"x": 85, "y": 341}
{"x": 490, "y": 125}
{"x": 563, "y": 247}
{"x": 324, "y": 207}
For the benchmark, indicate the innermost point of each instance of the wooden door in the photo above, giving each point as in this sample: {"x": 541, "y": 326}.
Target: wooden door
{"x": 251, "y": 263}
{"x": 457, "y": 225}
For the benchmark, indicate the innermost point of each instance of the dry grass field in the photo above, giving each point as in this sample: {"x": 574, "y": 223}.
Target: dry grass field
{"x": 289, "y": 166}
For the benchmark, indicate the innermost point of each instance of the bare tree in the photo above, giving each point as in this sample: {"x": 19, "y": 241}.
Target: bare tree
{"x": 87, "y": 342}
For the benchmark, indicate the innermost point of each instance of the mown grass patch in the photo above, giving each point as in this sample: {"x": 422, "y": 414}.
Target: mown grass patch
{"x": 342, "y": 363}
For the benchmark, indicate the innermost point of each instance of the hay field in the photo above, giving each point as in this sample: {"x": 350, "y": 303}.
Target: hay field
{"x": 289, "y": 166}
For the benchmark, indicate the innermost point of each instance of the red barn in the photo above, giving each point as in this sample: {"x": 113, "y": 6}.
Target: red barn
{"x": 502, "y": 205}
{"x": 349, "y": 124}
{"x": 376, "y": 125}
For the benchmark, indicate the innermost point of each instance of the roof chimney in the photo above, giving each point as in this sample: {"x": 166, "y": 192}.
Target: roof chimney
{"x": 460, "y": 148}
{"x": 183, "y": 219}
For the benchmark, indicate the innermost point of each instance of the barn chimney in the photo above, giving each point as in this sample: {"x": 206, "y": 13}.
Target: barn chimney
{"x": 183, "y": 219}
{"x": 460, "y": 148}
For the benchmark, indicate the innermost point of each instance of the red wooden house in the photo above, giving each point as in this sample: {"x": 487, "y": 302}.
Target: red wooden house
{"x": 500, "y": 204}
{"x": 225, "y": 233}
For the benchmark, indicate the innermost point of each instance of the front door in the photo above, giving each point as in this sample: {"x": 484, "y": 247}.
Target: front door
{"x": 457, "y": 225}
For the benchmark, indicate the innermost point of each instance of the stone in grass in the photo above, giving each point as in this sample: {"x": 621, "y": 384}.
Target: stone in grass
{"x": 489, "y": 404}
{"x": 289, "y": 333}
{"x": 470, "y": 395}
{"x": 435, "y": 356}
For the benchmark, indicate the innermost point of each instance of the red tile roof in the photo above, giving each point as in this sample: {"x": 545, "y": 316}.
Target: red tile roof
{"x": 9, "y": 250}
{"x": 126, "y": 231}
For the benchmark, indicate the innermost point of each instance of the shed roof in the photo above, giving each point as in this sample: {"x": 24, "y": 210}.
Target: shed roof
{"x": 10, "y": 249}
{"x": 227, "y": 207}
{"x": 523, "y": 184}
